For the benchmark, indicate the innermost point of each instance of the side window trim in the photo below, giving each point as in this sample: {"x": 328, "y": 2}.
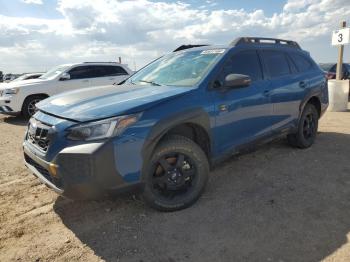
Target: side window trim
{"x": 264, "y": 70}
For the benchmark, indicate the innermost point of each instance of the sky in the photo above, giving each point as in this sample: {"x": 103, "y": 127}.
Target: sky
{"x": 36, "y": 35}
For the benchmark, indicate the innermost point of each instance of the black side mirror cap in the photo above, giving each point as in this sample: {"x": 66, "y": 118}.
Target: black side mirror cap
{"x": 237, "y": 80}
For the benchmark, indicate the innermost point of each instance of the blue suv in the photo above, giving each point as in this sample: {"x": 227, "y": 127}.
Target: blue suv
{"x": 163, "y": 129}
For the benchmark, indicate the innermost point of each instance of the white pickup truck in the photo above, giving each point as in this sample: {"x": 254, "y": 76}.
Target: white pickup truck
{"x": 21, "y": 96}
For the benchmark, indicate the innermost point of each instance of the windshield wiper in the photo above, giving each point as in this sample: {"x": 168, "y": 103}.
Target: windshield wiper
{"x": 150, "y": 82}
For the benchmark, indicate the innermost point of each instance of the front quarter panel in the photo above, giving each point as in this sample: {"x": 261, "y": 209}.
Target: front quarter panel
{"x": 140, "y": 140}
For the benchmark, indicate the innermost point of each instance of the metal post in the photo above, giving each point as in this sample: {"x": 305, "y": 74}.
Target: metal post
{"x": 340, "y": 57}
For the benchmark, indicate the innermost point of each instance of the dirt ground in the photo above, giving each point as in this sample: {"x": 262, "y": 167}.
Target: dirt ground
{"x": 275, "y": 204}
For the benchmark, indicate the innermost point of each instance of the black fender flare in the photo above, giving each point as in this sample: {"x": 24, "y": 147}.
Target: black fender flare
{"x": 195, "y": 116}
{"x": 311, "y": 94}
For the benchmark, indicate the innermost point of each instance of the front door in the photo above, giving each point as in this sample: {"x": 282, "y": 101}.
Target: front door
{"x": 242, "y": 114}
{"x": 79, "y": 78}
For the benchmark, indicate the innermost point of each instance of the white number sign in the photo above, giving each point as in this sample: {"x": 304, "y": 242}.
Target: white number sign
{"x": 341, "y": 36}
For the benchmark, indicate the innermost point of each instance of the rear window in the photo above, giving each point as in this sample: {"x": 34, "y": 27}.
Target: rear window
{"x": 326, "y": 67}
{"x": 113, "y": 71}
{"x": 276, "y": 63}
{"x": 302, "y": 63}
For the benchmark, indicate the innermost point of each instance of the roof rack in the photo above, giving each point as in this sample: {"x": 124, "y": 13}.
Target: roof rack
{"x": 183, "y": 47}
{"x": 264, "y": 40}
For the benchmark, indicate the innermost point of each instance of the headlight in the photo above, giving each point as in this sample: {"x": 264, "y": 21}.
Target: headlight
{"x": 101, "y": 129}
{"x": 11, "y": 91}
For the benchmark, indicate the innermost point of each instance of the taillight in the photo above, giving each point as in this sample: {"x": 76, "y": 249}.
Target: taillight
{"x": 330, "y": 75}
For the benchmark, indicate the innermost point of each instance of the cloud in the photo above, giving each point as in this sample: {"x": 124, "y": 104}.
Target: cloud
{"x": 141, "y": 30}
{"x": 35, "y": 2}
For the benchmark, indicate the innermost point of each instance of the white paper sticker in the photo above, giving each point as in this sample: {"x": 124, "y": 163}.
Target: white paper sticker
{"x": 212, "y": 51}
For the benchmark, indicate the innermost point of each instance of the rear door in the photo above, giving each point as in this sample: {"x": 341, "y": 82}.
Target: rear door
{"x": 286, "y": 88}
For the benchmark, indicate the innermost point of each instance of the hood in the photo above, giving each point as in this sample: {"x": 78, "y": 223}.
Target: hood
{"x": 21, "y": 83}
{"x": 108, "y": 101}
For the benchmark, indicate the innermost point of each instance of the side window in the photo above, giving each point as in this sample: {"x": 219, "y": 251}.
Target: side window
{"x": 292, "y": 66}
{"x": 303, "y": 64}
{"x": 81, "y": 72}
{"x": 97, "y": 71}
{"x": 245, "y": 63}
{"x": 106, "y": 70}
{"x": 276, "y": 63}
{"x": 116, "y": 71}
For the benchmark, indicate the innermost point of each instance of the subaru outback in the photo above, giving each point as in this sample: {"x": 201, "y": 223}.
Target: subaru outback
{"x": 163, "y": 129}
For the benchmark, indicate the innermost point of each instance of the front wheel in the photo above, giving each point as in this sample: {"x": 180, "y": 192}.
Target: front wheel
{"x": 177, "y": 174}
{"x": 29, "y": 108}
{"x": 307, "y": 129}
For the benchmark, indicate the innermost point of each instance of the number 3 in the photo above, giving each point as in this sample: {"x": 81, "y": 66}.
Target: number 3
{"x": 340, "y": 38}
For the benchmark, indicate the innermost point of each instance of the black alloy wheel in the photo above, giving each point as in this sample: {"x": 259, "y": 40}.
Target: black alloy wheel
{"x": 307, "y": 128}
{"x": 176, "y": 175}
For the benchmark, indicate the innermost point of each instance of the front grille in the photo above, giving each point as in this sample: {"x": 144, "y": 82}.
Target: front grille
{"x": 38, "y": 135}
{"x": 43, "y": 171}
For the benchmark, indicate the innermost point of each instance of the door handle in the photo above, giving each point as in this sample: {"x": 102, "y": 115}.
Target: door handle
{"x": 112, "y": 78}
{"x": 302, "y": 84}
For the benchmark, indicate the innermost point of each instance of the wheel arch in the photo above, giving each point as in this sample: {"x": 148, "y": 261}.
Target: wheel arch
{"x": 44, "y": 95}
{"x": 193, "y": 124}
{"x": 316, "y": 101}
{"x": 37, "y": 94}
{"x": 313, "y": 99}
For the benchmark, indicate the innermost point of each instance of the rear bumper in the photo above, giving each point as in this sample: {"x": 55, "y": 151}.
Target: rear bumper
{"x": 83, "y": 172}
{"x": 324, "y": 107}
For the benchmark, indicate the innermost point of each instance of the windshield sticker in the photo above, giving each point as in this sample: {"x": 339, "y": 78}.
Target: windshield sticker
{"x": 213, "y": 51}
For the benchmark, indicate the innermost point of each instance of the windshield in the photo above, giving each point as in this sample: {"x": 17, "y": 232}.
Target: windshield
{"x": 22, "y": 77}
{"x": 178, "y": 69}
{"x": 54, "y": 72}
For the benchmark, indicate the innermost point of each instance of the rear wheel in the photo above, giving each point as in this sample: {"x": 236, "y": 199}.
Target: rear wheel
{"x": 29, "y": 108}
{"x": 177, "y": 174}
{"x": 307, "y": 129}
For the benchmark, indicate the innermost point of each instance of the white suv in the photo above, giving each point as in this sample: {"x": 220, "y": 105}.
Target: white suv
{"x": 21, "y": 96}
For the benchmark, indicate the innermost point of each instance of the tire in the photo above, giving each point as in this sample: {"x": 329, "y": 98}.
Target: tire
{"x": 176, "y": 175}
{"x": 307, "y": 128}
{"x": 28, "y": 108}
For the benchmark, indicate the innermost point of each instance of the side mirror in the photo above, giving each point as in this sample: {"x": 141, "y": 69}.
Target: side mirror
{"x": 65, "y": 76}
{"x": 237, "y": 80}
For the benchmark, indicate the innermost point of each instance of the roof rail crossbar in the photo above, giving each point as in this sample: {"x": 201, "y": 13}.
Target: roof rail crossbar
{"x": 264, "y": 40}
